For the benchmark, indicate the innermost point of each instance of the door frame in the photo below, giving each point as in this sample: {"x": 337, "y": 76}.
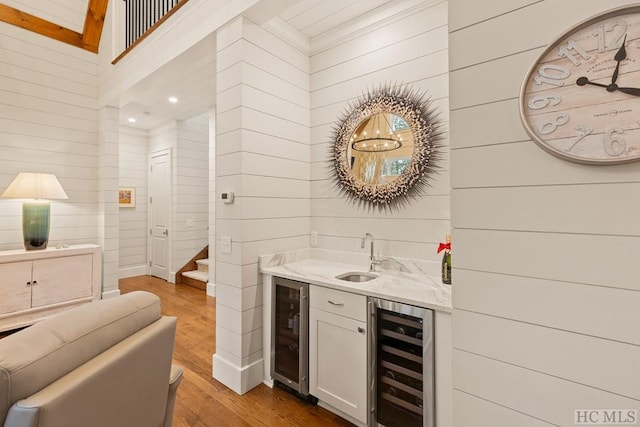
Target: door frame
{"x": 149, "y": 217}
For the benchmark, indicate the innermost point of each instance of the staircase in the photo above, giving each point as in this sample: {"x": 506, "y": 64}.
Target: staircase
{"x": 197, "y": 278}
{"x": 195, "y": 272}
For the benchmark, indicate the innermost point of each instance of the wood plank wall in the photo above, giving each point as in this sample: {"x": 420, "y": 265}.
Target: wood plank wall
{"x": 407, "y": 44}
{"x": 546, "y": 289}
{"x": 49, "y": 123}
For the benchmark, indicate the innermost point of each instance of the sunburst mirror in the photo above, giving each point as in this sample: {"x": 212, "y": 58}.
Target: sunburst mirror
{"x": 385, "y": 147}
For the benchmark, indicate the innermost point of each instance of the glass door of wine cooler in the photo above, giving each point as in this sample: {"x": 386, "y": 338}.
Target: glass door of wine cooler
{"x": 290, "y": 329}
{"x": 402, "y": 384}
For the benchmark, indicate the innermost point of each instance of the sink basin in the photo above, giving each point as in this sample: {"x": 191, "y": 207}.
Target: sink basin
{"x": 356, "y": 276}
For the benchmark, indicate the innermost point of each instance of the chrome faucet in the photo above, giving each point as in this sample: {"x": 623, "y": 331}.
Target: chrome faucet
{"x": 372, "y": 257}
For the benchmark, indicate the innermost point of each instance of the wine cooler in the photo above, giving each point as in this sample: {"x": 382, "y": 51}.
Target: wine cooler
{"x": 402, "y": 388}
{"x": 290, "y": 335}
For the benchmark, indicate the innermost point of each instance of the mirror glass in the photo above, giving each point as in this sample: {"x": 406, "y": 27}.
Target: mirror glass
{"x": 380, "y": 149}
{"x": 386, "y": 147}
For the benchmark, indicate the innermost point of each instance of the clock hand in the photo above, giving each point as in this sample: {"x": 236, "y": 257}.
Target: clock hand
{"x": 611, "y": 88}
{"x": 621, "y": 55}
{"x": 629, "y": 90}
{"x": 585, "y": 81}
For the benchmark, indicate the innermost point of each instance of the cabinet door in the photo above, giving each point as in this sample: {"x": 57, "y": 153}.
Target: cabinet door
{"x": 338, "y": 362}
{"x": 15, "y": 287}
{"x": 61, "y": 279}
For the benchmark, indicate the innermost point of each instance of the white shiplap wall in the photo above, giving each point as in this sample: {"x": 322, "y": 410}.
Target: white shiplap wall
{"x": 408, "y": 47}
{"x": 49, "y": 123}
{"x": 546, "y": 294}
{"x": 211, "y": 286}
{"x": 262, "y": 143}
{"x": 190, "y": 215}
{"x": 108, "y": 227}
{"x": 134, "y": 159}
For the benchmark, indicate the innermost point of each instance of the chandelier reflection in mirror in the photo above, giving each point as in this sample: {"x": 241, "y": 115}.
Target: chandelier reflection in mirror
{"x": 386, "y": 147}
{"x": 381, "y": 137}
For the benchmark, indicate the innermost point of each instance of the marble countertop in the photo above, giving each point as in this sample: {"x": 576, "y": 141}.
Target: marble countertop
{"x": 402, "y": 286}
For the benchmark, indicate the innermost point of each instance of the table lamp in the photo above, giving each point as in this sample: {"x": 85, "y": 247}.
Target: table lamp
{"x": 35, "y": 213}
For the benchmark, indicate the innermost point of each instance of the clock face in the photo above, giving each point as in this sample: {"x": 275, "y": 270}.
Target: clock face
{"x": 581, "y": 99}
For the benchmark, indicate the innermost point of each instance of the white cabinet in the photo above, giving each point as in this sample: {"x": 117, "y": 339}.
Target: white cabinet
{"x": 36, "y": 284}
{"x": 338, "y": 350}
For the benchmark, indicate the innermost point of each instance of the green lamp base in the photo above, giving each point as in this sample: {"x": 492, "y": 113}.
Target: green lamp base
{"x": 35, "y": 224}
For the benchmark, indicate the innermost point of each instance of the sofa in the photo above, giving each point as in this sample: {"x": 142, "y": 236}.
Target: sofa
{"x": 104, "y": 364}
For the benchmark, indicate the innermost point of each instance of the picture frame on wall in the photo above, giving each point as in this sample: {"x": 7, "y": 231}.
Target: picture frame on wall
{"x": 127, "y": 197}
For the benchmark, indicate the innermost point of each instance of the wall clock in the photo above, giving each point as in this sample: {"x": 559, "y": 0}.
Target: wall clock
{"x": 580, "y": 100}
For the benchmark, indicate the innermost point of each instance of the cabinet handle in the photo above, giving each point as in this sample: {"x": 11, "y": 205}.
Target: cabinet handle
{"x": 339, "y": 304}
{"x": 35, "y": 282}
{"x": 361, "y": 329}
{"x": 28, "y": 283}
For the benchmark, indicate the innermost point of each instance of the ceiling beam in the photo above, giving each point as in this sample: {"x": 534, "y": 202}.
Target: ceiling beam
{"x": 96, "y": 12}
{"x": 38, "y": 25}
{"x": 88, "y": 40}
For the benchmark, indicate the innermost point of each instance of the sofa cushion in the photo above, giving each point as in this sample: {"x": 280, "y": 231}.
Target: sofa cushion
{"x": 37, "y": 356}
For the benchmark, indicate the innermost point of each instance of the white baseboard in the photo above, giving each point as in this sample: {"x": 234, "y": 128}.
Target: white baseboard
{"x": 110, "y": 294}
{"x": 238, "y": 379}
{"x": 211, "y": 289}
{"x": 138, "y": 270}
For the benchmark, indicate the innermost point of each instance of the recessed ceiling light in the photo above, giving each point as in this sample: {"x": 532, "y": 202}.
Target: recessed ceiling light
{"x": 173, "y": 99}
{"x": 131, "y": 120}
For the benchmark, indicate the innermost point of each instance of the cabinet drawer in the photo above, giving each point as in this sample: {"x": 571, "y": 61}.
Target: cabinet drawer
{"x": 342, "y": 303}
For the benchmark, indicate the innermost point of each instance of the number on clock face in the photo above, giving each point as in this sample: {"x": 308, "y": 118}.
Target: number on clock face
{"x": 601, "y": 30}
{"x": 539, "y": 102}
{"x": 549, "y": 126}
{"x": 613, "y": 143}
{"x": 552, "y": 74}
{"x": 583, "y": 131}
{"x": 565, "y": 52}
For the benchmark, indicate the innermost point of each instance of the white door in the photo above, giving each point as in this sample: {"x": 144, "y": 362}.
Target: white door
{"x": 159, "y": 213}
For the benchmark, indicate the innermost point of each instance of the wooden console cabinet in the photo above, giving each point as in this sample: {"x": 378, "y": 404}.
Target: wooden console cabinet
{"x": 37, "y": 284}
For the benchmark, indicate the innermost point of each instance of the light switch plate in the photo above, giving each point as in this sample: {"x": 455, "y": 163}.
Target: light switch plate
{"x": 225, "y": 244}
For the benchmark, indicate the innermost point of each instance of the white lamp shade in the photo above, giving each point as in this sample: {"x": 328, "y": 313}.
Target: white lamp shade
{"x": 29, "y": 185}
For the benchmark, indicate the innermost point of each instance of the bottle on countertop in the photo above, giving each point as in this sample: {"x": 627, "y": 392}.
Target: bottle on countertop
{"x": 446, "y": 260}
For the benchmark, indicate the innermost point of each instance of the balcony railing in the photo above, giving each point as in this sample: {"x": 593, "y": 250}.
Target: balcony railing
{"x": 139, "y": 18}
{"x": 143, "y": 14}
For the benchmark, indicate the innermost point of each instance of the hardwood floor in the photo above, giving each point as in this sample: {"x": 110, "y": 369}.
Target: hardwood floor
{"x": 203, "y": 401}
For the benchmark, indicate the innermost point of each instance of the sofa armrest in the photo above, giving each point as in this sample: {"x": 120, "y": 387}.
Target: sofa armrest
{"x": 125, "y": 386}
{"x": 174, "y": 381}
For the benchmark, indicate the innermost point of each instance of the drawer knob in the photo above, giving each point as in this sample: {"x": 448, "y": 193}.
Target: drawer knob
{"x": 338, "y": 304}
{"x": 361, "y": 329}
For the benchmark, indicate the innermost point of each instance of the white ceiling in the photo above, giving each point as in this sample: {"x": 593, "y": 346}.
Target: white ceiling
{"x": 67, "y": 13}
{"x": 191, "y": 77}
{"x": 314, "y": 18}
